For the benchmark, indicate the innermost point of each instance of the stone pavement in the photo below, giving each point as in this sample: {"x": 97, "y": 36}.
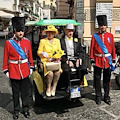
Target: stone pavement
{"x": 84, "y": 109}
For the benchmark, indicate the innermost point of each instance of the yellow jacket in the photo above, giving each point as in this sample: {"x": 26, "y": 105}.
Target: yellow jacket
{"x": 46, "y": 46}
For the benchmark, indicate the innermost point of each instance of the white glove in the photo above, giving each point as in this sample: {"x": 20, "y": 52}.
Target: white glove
{"x": 92, "y": 62}
{"x": 31, "y": 70}
{"x": 113, "y": 64}
{"x": 7, "y": 74}
{"x": 44, "y": 54}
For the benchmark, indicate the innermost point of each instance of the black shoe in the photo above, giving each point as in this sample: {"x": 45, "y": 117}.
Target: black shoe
{"x": 107, "y": 101}
{"x": 26, "y": 114}
{"x": 15, "y": 116}
{"x": 98, "y": 102}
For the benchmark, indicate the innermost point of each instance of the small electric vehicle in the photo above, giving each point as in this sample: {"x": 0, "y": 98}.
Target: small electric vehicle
{"x": 77, "y": 87}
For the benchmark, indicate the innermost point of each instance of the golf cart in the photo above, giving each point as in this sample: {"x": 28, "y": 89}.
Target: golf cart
{"x": 76, "y": 87}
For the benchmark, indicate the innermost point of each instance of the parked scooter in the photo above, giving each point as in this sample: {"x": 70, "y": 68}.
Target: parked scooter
{"x": 117, "y": 72}
{"x": 117, "y": 65}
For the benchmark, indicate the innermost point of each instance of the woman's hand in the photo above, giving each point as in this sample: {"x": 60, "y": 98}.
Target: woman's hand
{"x": 44, "y": 54}
{"x": 52, "y": 59}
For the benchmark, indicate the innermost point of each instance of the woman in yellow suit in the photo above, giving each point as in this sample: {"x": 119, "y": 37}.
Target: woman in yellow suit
{"x": 45, "y": 51}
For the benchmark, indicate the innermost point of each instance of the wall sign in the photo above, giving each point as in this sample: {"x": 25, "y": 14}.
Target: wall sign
{"x": 117, "y": 29}
{"x": 104, "y": 9}
{"x": 80, "y": 16}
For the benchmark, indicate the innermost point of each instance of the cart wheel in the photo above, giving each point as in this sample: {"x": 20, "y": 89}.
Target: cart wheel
{"x": 117, "y": 79}
{"x": 38, "y": 98}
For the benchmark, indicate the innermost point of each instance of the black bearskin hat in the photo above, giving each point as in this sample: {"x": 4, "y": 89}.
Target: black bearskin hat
{"x": 102, "y": 20}
{"x": 18, "y": 23}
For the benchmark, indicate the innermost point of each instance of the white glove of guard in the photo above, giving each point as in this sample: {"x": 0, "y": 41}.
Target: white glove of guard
{"x": 113, "y": 64}
{"x": 92, "y": 62}
{"x": 31, "y": 70}
{"x": 44, "y": 54}
{"x": 7, "y": 74}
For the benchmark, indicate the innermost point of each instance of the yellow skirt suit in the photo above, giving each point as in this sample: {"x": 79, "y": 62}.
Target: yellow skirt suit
{"x": 46, "y": 46}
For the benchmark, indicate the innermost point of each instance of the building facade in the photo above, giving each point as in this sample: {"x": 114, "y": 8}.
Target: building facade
{"x": 31, "y": 9}
{"x": 48, "y": 2}
{"x": 85, "y": 11}
{"x": 62, "y": 9}
{"x": 89, "y": 22}
{"x": 48, "y": 8}
{"x": 6, "y": 13}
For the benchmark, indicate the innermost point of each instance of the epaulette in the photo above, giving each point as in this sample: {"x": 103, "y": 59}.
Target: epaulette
{"x": 25, "y": 38}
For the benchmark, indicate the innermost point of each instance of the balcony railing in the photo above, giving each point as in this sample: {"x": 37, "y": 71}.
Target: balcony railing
{"x": 35, "y": 14}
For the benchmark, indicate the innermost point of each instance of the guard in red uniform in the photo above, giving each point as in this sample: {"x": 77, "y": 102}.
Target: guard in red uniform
{"x": 18, "y": 65}
{"x": 100, "y": 60}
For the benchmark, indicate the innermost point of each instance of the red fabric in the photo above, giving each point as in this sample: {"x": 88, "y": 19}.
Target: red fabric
{"x": 119, "y": 60}
{"x": 16, "y": 71}
{"x": 108, "y": 41}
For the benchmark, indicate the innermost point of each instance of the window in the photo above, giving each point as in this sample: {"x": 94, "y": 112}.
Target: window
{"x": 15, "y": 2}
{"x": 51, "y": 4}
{"x": 1, "y": 28}
{"x": 43, "y": 3}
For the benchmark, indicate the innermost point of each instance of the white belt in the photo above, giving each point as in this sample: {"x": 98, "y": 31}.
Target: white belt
{"x": 103, "y": 55}
{"x": 18, "y": 61}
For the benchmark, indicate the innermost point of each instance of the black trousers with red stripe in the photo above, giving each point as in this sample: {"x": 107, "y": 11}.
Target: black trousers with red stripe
{"x": 20, "y": 87}
{"x": 106, "y": 82}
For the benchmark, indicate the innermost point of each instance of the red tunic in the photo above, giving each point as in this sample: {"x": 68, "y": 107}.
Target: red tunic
{"x": 17, "y": 71}
{"x": 108, "y": 41}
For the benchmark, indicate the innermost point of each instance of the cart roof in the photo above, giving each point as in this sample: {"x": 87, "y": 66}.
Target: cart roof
{"x": 30, "y": 23}
{"x": 56, "y": 22}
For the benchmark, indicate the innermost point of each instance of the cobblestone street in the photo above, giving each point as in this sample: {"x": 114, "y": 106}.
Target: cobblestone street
{"x": 62, "y": 109}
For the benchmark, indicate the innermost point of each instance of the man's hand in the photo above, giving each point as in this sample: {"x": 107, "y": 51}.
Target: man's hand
{"x": 44, "y": 54}
{"x": 78, "y": 61}
{"x": 70, "y": 63}
{"x": 114, "y": 63}
{"x": 7, "y": 74}
{"x": 31, "y": 70}
{"x": 92, "y": 62}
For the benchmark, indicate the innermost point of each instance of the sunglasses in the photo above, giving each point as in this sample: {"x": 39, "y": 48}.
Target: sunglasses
{"x": 20, "y": 30}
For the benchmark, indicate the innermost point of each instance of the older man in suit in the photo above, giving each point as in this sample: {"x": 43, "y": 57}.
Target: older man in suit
{"x": 72, "y": 49}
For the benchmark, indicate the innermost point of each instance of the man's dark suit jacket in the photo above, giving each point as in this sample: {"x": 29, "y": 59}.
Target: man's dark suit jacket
{"x": 78, "y": 50}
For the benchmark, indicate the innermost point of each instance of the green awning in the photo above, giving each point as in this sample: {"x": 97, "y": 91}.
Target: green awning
{"x": 30, "y": 23}
{"x": 56, "y": 22}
